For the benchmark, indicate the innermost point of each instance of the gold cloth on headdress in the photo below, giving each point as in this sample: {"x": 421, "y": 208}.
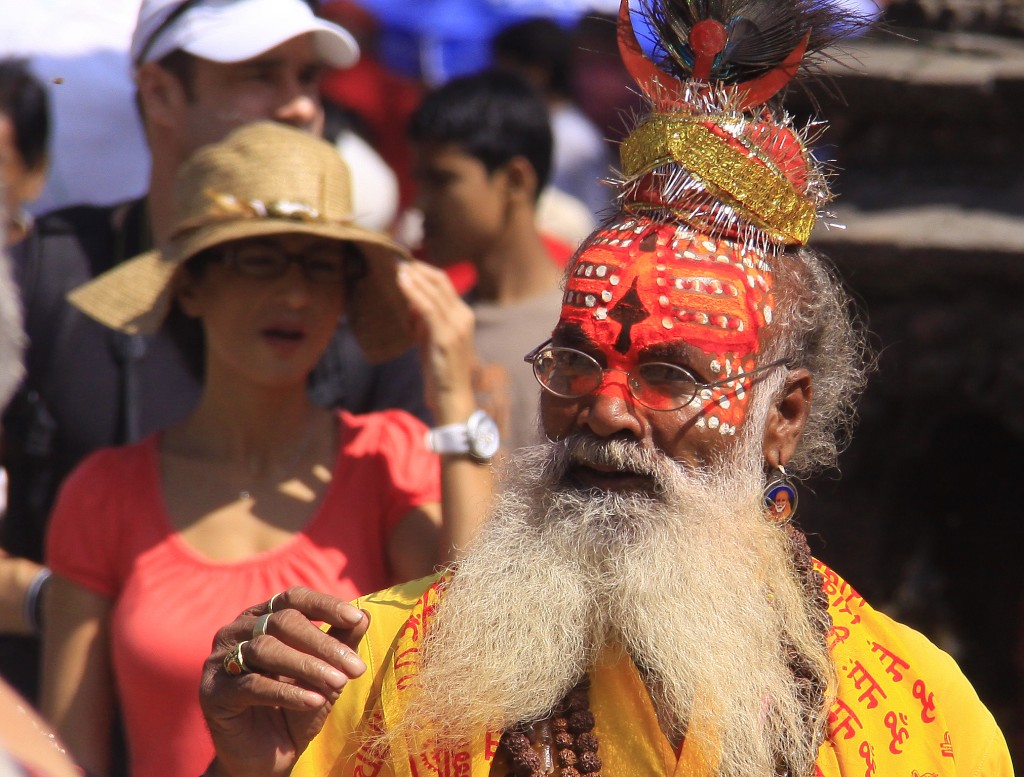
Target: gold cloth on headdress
{"x": 756, "y": 191}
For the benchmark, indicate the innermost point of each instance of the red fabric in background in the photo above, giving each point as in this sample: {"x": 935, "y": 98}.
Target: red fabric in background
{"x": 463, "y": 274}
{"x": 383, "y": 99}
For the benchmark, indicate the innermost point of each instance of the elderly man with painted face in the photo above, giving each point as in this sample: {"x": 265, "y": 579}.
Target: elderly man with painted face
{"x": 636, "y": 605}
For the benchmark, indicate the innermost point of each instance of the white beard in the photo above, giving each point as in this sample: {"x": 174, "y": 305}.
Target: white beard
{"x": 692, "y": 580}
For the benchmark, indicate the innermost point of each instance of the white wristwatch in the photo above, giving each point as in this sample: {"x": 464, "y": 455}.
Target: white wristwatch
{"x": 478, "y": 437}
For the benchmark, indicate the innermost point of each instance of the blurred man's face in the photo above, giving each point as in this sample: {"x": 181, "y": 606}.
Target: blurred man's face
{"x": 464, "y": 206}
{"x": 19, "y": 183}
{"x": 280, "y": 84}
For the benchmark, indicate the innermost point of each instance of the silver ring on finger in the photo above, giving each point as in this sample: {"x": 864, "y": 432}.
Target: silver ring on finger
{"x": 234, "y": 663}
{"x": 274, "y": 598}
{"x": 260, "y": 627}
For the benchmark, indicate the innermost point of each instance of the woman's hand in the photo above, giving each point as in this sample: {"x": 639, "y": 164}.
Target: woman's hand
{"x": 443, "y": 327}
{"x": 263, "y": 716}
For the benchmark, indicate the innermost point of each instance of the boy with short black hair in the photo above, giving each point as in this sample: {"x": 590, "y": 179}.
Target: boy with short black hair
{"x": 482, "y": 149}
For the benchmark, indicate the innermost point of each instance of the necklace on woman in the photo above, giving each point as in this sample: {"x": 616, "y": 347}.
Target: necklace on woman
{"x": 246, "y": 494}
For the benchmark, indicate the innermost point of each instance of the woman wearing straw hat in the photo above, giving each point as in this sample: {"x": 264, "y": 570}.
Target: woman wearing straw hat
{"x": 154, "y": 545}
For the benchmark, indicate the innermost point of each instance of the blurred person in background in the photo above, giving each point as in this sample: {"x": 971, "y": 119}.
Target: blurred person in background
{"x": 153, "y": 545}
{"x": 542, "y": 51}
{"x": 79, "y": 52}
{"x": 482, "y": 150}
{"x": 202, "y": 68}
{"x": 24, "y": 138}
{"x": 28, "y": 747}
{"x": 27, "y": 744}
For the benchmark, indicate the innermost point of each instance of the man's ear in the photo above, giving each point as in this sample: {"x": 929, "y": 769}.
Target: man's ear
{"x": 787, "y": 418}
{"x": 521, "y": 179}
{"x": 161, "y": 95}
{"x": 32, "y": 183}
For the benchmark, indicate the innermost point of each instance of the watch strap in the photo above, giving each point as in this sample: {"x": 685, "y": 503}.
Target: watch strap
{"x": 478, "y": 436}
{"x": 450, "y": 438}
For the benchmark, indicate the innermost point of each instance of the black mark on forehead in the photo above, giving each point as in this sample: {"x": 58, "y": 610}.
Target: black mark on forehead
{"x": 628, "y": 311}
{"x": 649, "y": 241}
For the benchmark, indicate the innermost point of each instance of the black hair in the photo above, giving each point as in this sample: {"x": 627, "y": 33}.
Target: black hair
{"x": 542, "y": 43}
{"x": 187, "y": 332}
{"x": 492, "y": 116}
{"x": 24, "y": 101}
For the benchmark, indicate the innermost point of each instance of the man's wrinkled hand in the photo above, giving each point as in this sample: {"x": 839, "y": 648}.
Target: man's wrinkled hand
{"x": 266, "y": 700}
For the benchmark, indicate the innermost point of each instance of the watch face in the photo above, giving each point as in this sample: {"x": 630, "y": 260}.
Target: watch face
{"x": 484, "y": 438}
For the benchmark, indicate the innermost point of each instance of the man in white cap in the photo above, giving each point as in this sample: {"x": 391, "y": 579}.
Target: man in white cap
{"x": 206, "y": 66}
{"x": 202, "y": 67}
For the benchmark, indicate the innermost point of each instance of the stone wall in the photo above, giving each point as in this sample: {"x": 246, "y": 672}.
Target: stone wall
{"x": 926, "y": 518}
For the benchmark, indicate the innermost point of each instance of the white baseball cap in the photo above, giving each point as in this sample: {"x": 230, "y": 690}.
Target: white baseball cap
{"x": 235, "y": 30}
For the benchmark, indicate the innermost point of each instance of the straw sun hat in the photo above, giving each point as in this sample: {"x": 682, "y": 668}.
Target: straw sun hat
{"x": 263, "y": 179}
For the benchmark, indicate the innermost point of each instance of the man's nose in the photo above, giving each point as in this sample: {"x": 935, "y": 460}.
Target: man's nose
{"x": 298, "y": 107}
{"x": 611, "y": 408}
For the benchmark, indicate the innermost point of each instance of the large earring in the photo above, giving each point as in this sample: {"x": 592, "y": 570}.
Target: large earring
{"x": 780, "y": 498}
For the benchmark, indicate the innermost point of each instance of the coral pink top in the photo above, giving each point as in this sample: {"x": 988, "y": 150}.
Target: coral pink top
{"x": 110, "y": 533}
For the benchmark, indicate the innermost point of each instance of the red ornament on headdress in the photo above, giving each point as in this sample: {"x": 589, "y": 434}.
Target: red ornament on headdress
{"x": 713, "y": 153}
{"x": 707, "y": 38}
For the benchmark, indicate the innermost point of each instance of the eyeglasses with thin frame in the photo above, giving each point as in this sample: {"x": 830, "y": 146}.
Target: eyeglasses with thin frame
{"x": 320, "y": 263}
{"x": 173, "y": 17}
{"x": 571, "y": 374}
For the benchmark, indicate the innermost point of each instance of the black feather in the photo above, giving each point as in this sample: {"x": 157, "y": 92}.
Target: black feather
{"x": 761, "y": 33}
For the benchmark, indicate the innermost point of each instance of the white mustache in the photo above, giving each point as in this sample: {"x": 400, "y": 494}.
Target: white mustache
{"x": 622, "y": 455}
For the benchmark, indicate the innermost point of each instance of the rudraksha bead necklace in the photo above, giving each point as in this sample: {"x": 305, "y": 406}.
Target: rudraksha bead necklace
{"x": 563, "y": 744}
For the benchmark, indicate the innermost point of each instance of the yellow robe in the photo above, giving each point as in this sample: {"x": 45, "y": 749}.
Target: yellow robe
{"x": 904, "y": 709}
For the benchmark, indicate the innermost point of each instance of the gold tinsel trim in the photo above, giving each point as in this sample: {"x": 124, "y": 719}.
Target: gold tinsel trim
{"x": 755, "y": 191}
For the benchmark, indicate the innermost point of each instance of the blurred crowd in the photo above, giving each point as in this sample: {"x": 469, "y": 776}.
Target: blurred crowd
{"x": 469, "y": 139}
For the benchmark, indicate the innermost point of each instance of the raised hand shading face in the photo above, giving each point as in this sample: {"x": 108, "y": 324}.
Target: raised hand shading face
{"x": 642, "y": 287}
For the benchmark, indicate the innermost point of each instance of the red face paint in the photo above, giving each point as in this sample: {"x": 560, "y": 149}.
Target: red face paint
{"x": 640, "y": 283}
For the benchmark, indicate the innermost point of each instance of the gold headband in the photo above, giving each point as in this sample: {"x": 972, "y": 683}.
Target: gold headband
{"x": 757, "y": 191}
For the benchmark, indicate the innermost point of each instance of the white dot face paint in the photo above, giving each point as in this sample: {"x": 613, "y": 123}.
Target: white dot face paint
{"x": 673, "y": 286}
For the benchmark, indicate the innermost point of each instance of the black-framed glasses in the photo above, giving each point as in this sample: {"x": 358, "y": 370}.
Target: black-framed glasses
{"x": 572, "y": 374}
{"x": 176, "y": 14}
{"x": 321, "y": 263}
